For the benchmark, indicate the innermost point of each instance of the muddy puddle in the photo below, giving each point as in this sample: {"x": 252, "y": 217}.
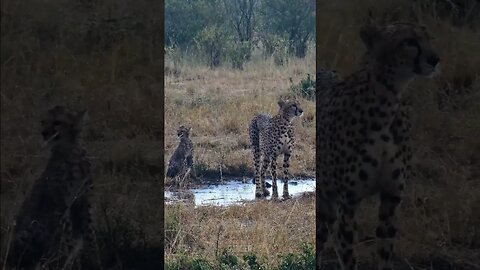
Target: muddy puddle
{"x": 233, "y": 192}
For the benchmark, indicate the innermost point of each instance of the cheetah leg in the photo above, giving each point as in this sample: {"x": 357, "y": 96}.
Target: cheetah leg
{"x": 327, "y": 214}
{"x": 346, "y": 235}
{"x": 273, "y": 168}
{"x": 266, "y": 161}
{"x": 286, "y": 164}
{"x": 386, "y": 229}
{"x": 258, "y": 186}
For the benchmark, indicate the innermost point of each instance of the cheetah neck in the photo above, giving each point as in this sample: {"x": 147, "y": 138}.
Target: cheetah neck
{"x": 185, "y": 140}
{"x": 67, "y": 151}
{"x": 284, "y": 118}
{"x": 389, "y": 78}
{"x": 381, "y": 99}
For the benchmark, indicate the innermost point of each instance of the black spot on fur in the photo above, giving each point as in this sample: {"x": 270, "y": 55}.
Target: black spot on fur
{"x": 363, "y": 175}
{"x": 376, "y": 126}
{"x": 396, "y": 174}
{"x": 384, "y": 254}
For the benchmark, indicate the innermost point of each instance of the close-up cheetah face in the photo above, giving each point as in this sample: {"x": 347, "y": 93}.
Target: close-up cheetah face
{"x": 403, "y": 46}
{"x": 290, "y": 108}
{"x": 61, "y": 123}
{"x": 183, "y": 131}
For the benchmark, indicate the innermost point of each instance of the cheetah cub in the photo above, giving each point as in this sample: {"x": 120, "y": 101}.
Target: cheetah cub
{"x": 54, "y": 219}
{"x": 181, "y": 162}
{"x": 269, "y": 138}
{"x": 363, "y": 138}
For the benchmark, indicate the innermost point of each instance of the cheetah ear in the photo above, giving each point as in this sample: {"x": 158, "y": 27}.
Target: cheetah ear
{"x": 370, "y": 34}
{"x": 281, "y": 103}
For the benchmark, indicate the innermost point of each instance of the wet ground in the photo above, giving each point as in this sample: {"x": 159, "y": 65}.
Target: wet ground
{"x": 233, "y": 192}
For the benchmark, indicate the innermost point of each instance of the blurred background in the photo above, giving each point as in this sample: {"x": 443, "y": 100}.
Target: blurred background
{"x": 106, "y": 57}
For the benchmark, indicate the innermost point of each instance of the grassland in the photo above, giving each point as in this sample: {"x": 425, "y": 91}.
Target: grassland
{"x": 219, "y": 104}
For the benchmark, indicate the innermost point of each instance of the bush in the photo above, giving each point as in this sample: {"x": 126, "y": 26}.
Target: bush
{"x": 304, "y": 260}
{"x": 211, "y": 41}
{"x": 251, "y": 260}
{"x": 238, "y": 53}
{"x": 305, "y": 89}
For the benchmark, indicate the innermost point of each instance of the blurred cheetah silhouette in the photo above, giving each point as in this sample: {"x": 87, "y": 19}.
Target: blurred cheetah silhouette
{"x": 54, "y": 222}
{"x": 181, "y": 162}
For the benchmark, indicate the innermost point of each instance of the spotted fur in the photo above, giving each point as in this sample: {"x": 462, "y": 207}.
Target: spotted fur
{"x": 363, "y": 138}
{"x": 269, "y": 138}
{"x": 181, "y": 162}
{"x": 54, "y": 221}
{"x": 326, "y": 79}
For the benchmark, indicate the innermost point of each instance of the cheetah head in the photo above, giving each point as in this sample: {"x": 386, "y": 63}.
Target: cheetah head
{"x": 60, "y": 124}
{"x": 183, "y": 131}
{"x": 290, "y": 109}
{"x": 401, "y": 47}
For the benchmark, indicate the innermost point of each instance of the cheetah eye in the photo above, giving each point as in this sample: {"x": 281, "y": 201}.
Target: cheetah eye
{"x": 411, "y": 42}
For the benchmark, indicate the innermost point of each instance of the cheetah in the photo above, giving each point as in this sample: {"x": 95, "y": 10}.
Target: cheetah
{"x": 269, "y": 138}
{"x": 363, "y": 138}
{"x": 181, "y": 162}
{"x": 54, "y": 220}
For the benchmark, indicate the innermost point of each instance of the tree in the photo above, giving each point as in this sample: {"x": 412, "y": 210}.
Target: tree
{"x": 293, "y": 19}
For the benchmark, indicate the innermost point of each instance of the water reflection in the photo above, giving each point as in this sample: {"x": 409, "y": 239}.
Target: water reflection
{"x": 234, "y": 192}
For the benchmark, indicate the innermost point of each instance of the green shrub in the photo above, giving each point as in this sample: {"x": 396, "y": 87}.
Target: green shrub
{"x": 211, "y": 41}
{"x": 305, "y": 89}
{"x": 228, "y": 260}
{"x": 305, "y": 260}
{"x": 252, "y": 262}
{"x": 239, "y": 53}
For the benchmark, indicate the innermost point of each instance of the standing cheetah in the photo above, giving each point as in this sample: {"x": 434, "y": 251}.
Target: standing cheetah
{"x": 55, "y": 218}
{"x": 181, "y": 162}
{"x": 271, "y": 137}
{"x": 363, "y": 137}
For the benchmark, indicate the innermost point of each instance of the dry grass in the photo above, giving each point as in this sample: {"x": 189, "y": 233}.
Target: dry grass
{"x": 219, "y": 104}
{"x": 266, "y": 229}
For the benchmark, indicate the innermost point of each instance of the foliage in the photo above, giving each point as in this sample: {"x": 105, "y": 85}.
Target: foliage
{"x": 305, "y": 89}
{"x": 293, "y": 20}
{"x": 228, "y": 259}
{"x": 251, "y": 260}
{"x": 184, "y": 20}
{"x": 304, "y": 260}
{"x": 238, "y": 53}
{"x": 211, "y": 41}
{"x": 221, "y": 30}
